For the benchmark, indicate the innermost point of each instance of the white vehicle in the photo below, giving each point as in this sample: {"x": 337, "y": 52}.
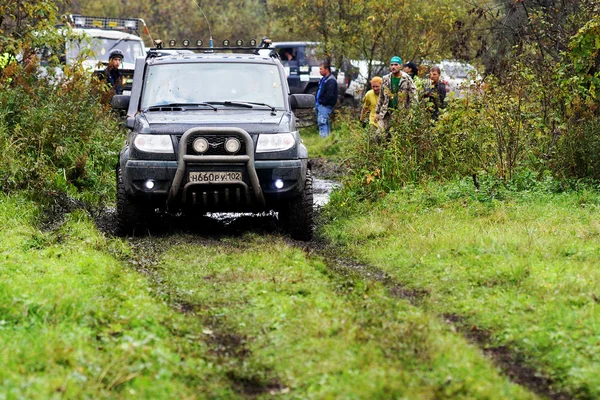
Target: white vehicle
{"x": 94, "y": 38}
{"x": 359, "y": 78}
{"x": 458, "y": 76}
{"x": 101, "y": 35}
{"x": 97, "y": 44}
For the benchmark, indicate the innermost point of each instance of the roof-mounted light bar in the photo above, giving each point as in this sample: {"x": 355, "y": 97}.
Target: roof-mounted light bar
{"x": 186, "y": 44}
{"x": 199, "y": 45}
{"x": 122, "y": 24}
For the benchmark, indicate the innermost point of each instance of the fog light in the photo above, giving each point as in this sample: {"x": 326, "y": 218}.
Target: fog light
{"x": 150, "y": 184}
{"x": 200, "y": 145}
{"x": 232, "y": 145}
{"x": 279, "y": 184}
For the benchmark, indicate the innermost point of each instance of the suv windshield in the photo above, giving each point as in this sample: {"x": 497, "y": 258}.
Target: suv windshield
{"x": 194, "y": 83}
{"x": 101, "y": 48}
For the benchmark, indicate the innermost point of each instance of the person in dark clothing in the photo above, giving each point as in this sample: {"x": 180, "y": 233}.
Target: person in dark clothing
{"x": 435, "y": 92}
{"x": 112, "y": 74}
{"x": 411, "y": 69}
{"x": 326, "y": 98}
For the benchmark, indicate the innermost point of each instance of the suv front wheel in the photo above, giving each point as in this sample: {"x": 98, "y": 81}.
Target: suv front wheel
{"x": 130, "y": 213}
{"x": 297, "y": 215}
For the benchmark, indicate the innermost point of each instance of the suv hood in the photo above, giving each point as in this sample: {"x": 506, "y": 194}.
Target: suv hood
{"x": 252, "y": 121}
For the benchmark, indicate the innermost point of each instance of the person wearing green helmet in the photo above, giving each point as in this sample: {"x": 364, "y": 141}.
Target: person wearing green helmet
{"x": 398, "y": 92}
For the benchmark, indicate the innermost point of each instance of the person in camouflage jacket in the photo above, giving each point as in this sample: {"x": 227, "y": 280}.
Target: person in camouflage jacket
{"x": 397, "y": 90}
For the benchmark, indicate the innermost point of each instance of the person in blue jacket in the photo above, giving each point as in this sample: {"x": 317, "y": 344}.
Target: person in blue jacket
{"x": 326, "y": 98}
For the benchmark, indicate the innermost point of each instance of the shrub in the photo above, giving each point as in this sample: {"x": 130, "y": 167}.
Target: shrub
{"x": 56, "y": 133}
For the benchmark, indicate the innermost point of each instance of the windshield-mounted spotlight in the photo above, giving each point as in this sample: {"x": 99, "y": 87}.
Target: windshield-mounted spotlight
{"x": 199, "y": 43}
{"x": 172, "y": 43}
{"x": 185, "y": 43}
{"x": 239, "y": 43}
{"x": 225, "y": 43}
{"x": 252, "y": 42}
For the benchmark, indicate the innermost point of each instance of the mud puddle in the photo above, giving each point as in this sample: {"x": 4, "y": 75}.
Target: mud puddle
{"x": 322, "y": 189}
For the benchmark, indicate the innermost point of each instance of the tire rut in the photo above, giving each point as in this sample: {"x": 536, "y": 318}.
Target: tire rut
{"x": 226, "y": 346}
{"x": 508, "y": 361}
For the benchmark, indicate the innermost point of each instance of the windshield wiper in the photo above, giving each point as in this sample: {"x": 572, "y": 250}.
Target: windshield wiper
{"x": 201, "y": 104}
{"x": 231, "y": 103}
{"x": 262, "y": 104}
{"x": 247, "y": 104}
{"x": 114, "y": 45}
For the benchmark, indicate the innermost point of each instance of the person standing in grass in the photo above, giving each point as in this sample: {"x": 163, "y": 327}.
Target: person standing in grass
{"x": 397, "y": 93}
{"x": 435, "y": 92}
{"x": 326, "y": 98}
{"x": 370, "y": 101}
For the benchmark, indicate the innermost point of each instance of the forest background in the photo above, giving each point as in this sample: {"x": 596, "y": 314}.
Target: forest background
{"x": 537, "y": 115}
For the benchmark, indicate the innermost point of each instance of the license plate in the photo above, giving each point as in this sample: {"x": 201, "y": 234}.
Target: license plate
{"x": 210, "y": 177}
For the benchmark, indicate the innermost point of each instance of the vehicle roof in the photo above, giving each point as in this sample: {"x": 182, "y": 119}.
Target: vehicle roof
{"x": 108, "y": 34}
{"x": 211, "y": 57}
{"x": 293, "y": 44}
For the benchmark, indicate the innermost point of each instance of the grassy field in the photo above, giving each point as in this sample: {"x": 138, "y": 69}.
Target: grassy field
{"x": 315, "y": 334}
{"x": 75, "y": 322}
{"x": 519, "y": 267}
{"x": 237, "y": 317}
{"x": 85, "y": 315}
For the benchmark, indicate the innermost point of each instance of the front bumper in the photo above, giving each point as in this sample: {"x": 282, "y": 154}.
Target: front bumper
{"x": 256, "y": 191}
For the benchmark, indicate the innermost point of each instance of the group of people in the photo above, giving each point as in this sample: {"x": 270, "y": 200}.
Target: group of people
{"x": 398, "y": 90}
{"x": 389, "y": 95}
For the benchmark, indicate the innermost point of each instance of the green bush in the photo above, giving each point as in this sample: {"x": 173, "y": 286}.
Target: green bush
{"x": 537, "y": 122}
{"x": 57, "y": 134}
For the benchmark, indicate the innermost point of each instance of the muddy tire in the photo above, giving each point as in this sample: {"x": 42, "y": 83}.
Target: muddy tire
{"x": 297, "y": 216}
{"x": 130, "y": 214}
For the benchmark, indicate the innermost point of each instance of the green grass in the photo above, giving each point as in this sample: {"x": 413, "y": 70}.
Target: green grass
{"x": 322, "y": 335}
{"x": 263, "y": 318}
{"x": 76, "y": 323}
{"x": 336, "y": 147}
{"x": 523, "y": 268}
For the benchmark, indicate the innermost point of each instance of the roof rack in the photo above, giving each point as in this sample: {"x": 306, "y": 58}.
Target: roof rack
{"x": 238, "y": 46}
{"x": 131, "y": 25}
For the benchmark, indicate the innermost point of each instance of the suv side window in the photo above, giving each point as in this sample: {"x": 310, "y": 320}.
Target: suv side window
{"x": 288, "y": 55}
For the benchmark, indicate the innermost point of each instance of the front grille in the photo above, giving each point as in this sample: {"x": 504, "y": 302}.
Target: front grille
{"x": 216, "y": 145}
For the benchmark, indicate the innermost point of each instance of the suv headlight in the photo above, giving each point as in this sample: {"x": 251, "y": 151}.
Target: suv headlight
{"x": 153, "y": 143}
{"x": 275, "y": 142}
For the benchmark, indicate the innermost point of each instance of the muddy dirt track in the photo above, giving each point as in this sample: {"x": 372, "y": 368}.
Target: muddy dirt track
{"x": 148, "y": 246}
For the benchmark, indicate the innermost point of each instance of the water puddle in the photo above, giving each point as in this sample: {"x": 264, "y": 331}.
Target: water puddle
{"x": 322, "y": 189}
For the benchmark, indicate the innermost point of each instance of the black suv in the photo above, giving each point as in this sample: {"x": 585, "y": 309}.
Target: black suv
{"x": 213, "y": 132}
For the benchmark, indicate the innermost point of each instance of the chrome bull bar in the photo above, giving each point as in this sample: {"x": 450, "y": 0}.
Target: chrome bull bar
{"x": 183, "y": 159}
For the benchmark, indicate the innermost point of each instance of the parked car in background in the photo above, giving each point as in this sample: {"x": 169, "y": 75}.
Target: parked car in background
{"x": 94, "y": 38}
{"x": 358, "y": 77}
{"x": 458, "y": 76}
{"x": 301, "y": 65}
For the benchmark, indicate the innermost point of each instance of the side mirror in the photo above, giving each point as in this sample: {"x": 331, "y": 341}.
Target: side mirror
{"x": 120, "y": 102}
{"x": 298, "y": 101}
